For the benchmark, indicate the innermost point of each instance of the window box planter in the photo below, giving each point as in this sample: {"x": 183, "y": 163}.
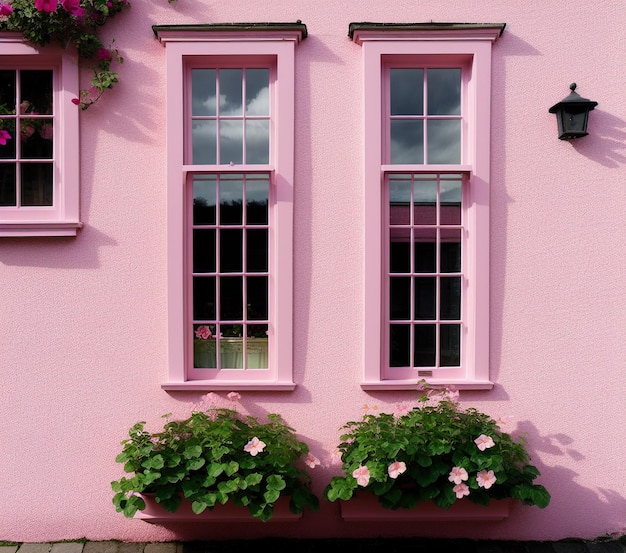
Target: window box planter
{"x": 228, "y": 512}
{"x": 366, "y": 508}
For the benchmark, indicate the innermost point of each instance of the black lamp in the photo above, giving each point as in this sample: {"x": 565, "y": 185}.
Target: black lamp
{"x": 572, "y": 114}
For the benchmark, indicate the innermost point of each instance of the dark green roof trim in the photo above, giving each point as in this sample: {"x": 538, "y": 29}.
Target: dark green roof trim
{"x": 431, "y": 26}
{"x": 234, "y": 27}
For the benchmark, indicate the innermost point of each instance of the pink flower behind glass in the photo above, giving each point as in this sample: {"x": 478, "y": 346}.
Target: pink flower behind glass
{"x": 46, "y": 5}
{"x": 362, "y": 475}
{"x": 461, "y": 490}
{"x": 484, "y": 442}
{"x": 4, "y": 136}
{"x": 396, "y": 468}
{"x": 486, "y": 479}
{"x": 46, "y": 131}
{"x": 311, "y": 460}
{"x": 457, "y": 475}
{"x": 254, "y": 446}
{"x": 203, "y": 332}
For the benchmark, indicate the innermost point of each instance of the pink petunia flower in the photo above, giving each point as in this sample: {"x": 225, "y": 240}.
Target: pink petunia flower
{"x": 4, "y": 136}
{"x": 457, "y": 475}
{"x": 46, "y": 5}
{"x": 254, "y": 447}
{"x": 362, "y": 475}
{"x": 461, "y": 490}
{"x": 484, "y": 442}
{"x": 73, "y": 7}
{"x": 311, "y": 460}
{"x": 6, "y": 10}
{"x": 233, "y": 396}
{"x": 396, "y": 468}
{"x": 104, "y": 54}
{"x": 486, "y": 479}
{"x": 203, "y": 331}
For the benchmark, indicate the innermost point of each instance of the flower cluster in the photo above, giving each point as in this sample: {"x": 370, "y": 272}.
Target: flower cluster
{"x": 434, "y": 451}
{"x": 70, "y": 23}
{"x": 214, "y": 456}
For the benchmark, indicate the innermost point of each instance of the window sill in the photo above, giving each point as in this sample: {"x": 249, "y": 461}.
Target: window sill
{"x": 435, "y": 382}
{"x": 232, "y": 385}
{"x": 37, "y": 228}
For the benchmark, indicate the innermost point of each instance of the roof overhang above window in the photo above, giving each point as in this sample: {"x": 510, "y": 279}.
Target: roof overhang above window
{"x": 231, "y": 31}
{"x": 360, "y": 32}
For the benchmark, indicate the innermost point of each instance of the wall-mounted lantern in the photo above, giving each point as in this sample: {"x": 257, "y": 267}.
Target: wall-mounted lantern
{"x": 572, "y": 114}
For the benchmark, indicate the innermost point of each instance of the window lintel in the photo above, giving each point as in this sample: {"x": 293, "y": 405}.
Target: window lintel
{"x": 230, "y": 31}
{"x": 361, "y": 32}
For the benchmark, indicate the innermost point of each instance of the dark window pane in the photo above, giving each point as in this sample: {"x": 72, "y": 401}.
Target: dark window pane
{"x": 8, "y": 194}
{"x": 8, "y": 150}
{"x": 407, "y": 142}
{"x": 450, "y": 348}
{"x": 400, "y": 298}
{"x": 36, "y": 138}
{"x": 257, "y": 92}
{"x": 231, "y": 201}
{"x": 450, "y": 251}
{"x": 425, "y": 251}
{"x": 204, "y": 251}
{"x": 204, "y": 142}
{"x": 257, "y": 201}
{"x": 204, "y": 298}
{"x": 450, "y": 298}
{"x": 204, "y": 200}
{"x": 36, "y": 91}
{"x": 257, "y": 298}
{"x": 257, "y": 141}
{"x": 399, "y": 202}
{"x": 256, "y": 251}
{"x": 451, "y": 194}
{"x": 231, "y": 251}
{"x": 444, "y": 91}
{"x": 444, "y": 141}
{"x": 7, "y": 91}
{"x": 407, "y": 91}
{"x": 424, "y": 354}
{"x": 36, "y": 184}
{"x": 231, "y": 92}
{"x": 425, "y": 295}
{"x": 400, "y": 250}
{"x": 231, "y": 141}
{"x": 231, "y": 298}
{"x": 399, "y": 345}
{"x": 203, "y": 92}
{"x": 425, "y": 209}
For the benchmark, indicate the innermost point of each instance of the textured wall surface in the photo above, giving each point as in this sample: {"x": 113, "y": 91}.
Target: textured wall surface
{"x": 83, "y": 320}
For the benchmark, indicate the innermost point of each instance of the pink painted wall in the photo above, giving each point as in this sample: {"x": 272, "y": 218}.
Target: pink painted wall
{"x": 83, "y": 320}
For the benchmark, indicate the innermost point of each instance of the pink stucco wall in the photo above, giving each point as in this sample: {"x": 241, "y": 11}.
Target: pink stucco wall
{"x": 83, "y": 320}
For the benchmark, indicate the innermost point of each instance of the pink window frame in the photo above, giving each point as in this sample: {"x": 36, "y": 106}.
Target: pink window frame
{"x": 184, "y": 45}
{"x": 436, "y": 44}
{"x": 63, "y": 217}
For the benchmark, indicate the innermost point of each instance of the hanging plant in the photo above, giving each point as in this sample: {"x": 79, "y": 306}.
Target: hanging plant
{"x": 70, "y": 24}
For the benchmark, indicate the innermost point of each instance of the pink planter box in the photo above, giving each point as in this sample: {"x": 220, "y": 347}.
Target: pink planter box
{"x": 365, "y": 508}
{"x": 229, "y": 512}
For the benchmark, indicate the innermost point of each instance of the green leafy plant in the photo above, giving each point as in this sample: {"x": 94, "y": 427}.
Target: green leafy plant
{"x": 214, "y": 456}
{"x": 434, "y": 451}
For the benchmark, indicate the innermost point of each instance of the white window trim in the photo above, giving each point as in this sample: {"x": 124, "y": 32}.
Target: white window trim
{"x": 466, "y": 40}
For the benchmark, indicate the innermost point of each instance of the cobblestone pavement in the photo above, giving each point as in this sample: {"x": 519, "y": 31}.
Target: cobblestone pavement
{"x": 400, "y": 545}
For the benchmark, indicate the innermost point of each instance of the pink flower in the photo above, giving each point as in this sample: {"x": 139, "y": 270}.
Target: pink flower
{"x": 460, "y": 490}
{"x": 486, "y": 479}
{"x": 402, "y": 409}
{"x": 76, "y": 101}
{"x": 104, "y": 54}
{"x": 254, "y": 446}
{"x": 6, "y": 9}
{"x": 46, "y": 5}
{"x": 233, "y": 396}
{"x": 311, "y": 460}
{"x": 362, "y": 475}
{"x": 484, "y": 442}
{"x": 203, "y": 331}
{"x": 4, "y": 136}
{"x": 46, "y": 131}
{"x": 396, "y": 468}
{"x": 457, "y": 475}
{"x": 73, "y": 7}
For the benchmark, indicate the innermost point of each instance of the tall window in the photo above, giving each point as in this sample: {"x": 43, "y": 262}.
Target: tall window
{"x": 426, "y": 105}
{"x": 230, "y": 307}
{"x": 39, "y": 129}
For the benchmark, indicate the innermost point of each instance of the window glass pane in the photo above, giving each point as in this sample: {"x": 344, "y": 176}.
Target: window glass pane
{"x": 8, "y": 150}
{"x": 36, "y": 185}
{"x": 231, "y": 298}
{"x": 231, "y": 251}
{"x": 204, "y": 347}
{"x": 231, "y": 142}
{"x": 450, "y": 308}
{"x": 451, "y": 194}
{"x": 231, "y": 92}
{"x": 400, "y": 250}
{"x": 256, "y": 251}
{"x": 407, "y": 142}
{"x": 204, "y": 298}
{"x": 257, "y": 141}
{"x": 8, "y": 194}
{"x": 399, "y": 202}
{"x": 424, "y": 353}
{"x": 256, "y": 347}
{"x": 425, "y": 211}
{"x": 203, "y": 92}
{"x": 399, "y": 345}
{"x": 425, "y": 251}
{"x": 407, "y": 91}
{"x": 400, "y": 298}
{"x": 231, "y": 201}
{"x": 231, "y": 348}
{"x": 450, "y": 253}
{"x": 257, "y": 201}
{"x": 444, "y": 91}
{"x": 444, "y": 141}
{"x": 204, "y": 251}
{"x": 36, "y": 91}
{"x": 425, "y": 296}
{"x": 258, "y": 92}
{"x": 36, "y": 138}
{"x": 7, "y": 91}
{"x": 204, "y": 144}
{"x": 450, "y": 346}
{"x": 204, "y": 187}
{"x": 257, "y": 308}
